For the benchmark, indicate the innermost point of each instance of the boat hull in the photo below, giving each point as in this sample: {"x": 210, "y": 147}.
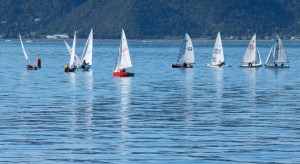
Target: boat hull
{"x": 85, "y": 68}
{"x": 70, "y": 70}
{"x": 122, "y": 74}
{"x": 247, "y": 66}
{"x": 268, "y": 66}
{"x": 181, "y": 66}
{"x": 30, "y": 67}
{"x": 33, "y": 68}
{"x": 217, "y": 66}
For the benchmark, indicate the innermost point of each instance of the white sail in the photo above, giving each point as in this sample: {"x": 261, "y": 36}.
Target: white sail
{"x": 124, "y": 60}
{"x": 280, "y": 56}
{"x": 258, "y": 58}
{"x": 186, "y": 54}
{"x": 77, "y": 60}
{"x": 24, "y": 52}
{"x": 218, "y": 54}
{"x": 277, "y": 54}
{"x": 250, "y": 55}
{"x": 72, "y": 58}
{"x": 269, "y": 61}
{"x": 118, "y": 61}
{"x": 87, "y": 54}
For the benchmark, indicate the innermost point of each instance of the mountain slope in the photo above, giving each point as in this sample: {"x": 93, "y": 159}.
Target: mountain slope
{"x": 150, "y": 19}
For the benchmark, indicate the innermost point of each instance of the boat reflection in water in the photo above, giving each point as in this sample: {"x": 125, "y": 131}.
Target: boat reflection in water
{"x": 124, "y": 86}
{"x": 80, "y": 103}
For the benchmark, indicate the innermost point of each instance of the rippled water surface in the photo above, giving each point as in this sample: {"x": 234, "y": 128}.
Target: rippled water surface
{"x": 162, "y": 115}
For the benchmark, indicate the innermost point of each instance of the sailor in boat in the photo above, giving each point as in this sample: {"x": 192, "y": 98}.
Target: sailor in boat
{"x": 184, "y": 65}
{"x": 282, "y": 65}
{"x": 250, "y": 64}
{"x": 30, "y": 67}
{"x": 275, "y": 64}
{"x": 68, "y": 69}
{"x": 83, "y": 64}
{"x": 221, "y": 64}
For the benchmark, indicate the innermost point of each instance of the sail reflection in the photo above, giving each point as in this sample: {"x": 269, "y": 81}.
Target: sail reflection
{"x": 218, "y": 73}
{"x": 125, "y": 101}
{"x": 89, "y": 84}
{"x": 251, "y": 76}
{"x": 189, "y": 96}
{"x": 189, "y": 85}
{"x": 80, "y": 102}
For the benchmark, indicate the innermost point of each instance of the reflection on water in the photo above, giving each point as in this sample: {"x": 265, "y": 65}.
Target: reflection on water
{"x": 124, "y": 85}
{"x": 162, "y": 115}
{"x": 218, "y": 76}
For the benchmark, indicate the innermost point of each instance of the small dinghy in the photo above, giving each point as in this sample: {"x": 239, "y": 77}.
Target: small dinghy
{"x": 186, "y": 57}
{"x": 72, "y": 67}
{"x": 252, "y": 55}
{"x": 29, "y": 66}
{"x": 217, "y": 59}
{"x": 277, "y": 57}
{"x": 123, "y": 60}
{"x": 85, "y": 62}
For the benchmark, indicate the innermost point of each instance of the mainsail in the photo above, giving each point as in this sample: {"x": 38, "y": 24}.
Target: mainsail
{"x": 218, "y": 54}
{"x": 77, "y": 60}
{"x": 250, "y": 54}
{"x": 123, "y": 60}
{"x": 186, "y": 53}
{"x": 87, "y": 54}
{"x": 280, "y": 56}
{"x": 24, "y": 52}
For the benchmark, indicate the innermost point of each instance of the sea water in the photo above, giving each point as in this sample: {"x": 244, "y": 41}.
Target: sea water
{"x": 161, "y": 115}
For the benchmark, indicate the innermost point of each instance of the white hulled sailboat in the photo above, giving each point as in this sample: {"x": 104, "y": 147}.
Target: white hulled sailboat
{"x": 186, "y": 57}
{"x": 252, "y": 56}
{"x": 217, "y": 59}
{"x": 277, "y": 56}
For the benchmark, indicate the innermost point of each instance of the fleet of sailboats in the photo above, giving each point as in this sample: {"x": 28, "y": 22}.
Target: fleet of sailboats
{"x": 85, "y": 62}
{"x": 217, "y": 59}
{"x": 123, "y": 60}
{"x": 252, "y": 56}
{"x": 277, "y": 56}
{"x": 186, "y": 57}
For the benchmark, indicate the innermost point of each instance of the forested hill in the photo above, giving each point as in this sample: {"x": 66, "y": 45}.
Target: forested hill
{"x": 150, "y": 18}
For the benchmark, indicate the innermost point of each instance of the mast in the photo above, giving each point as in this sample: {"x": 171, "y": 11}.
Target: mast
{"x": 73, "y": 50}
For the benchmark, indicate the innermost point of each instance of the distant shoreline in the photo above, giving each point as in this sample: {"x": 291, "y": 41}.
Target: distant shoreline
{"x": 139, "y": 40}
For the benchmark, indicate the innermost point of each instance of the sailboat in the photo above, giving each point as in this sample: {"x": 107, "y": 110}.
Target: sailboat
{"x": 277, "y": 56}
{"x": 186, "y": 55}
{"x": 72, "y": 65}
{"x": 123, "y": 60}
{"x": 29, "y": 66}
{"x": 217, "y": 59}
{"x": 252, "y": 56}
{"x": 85, "y": 62}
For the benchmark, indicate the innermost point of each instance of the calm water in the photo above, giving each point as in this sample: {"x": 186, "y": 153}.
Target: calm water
{"x": 162, "y": 115}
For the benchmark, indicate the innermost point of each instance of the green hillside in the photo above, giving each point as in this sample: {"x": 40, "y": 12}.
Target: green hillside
{"x": 150, "y": 19}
